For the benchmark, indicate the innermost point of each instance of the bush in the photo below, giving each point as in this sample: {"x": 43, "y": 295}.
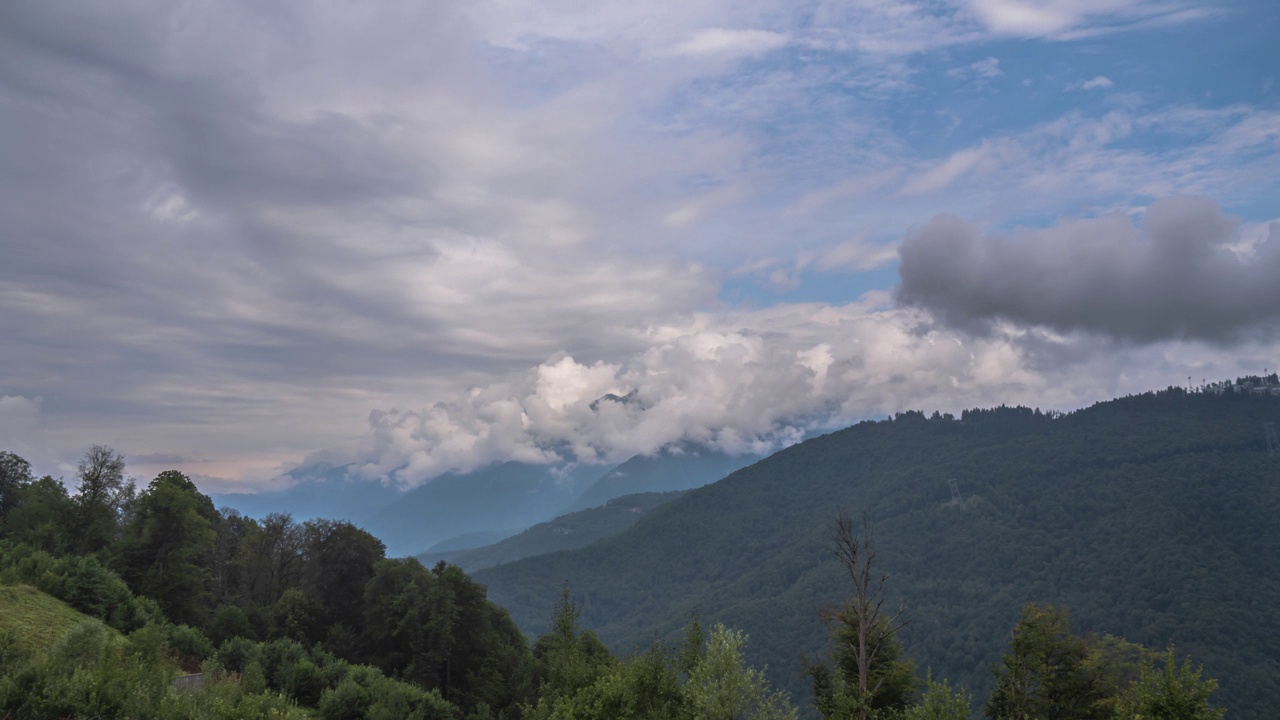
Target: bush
{"x": 236, "y": 654}
{"x": 305, "y": 683}
{"x": 190, "y": 644}
{"x": 348, "y": 701}
{"x": 229, "y": 622}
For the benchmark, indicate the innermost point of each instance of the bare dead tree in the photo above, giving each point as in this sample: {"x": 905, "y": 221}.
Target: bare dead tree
{"x": 873, "y": 627}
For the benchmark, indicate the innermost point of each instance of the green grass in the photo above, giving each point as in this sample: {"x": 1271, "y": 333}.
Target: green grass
{"x": 36, "y": 619}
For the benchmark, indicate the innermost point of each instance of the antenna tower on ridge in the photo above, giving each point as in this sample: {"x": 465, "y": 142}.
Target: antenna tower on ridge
{"x": 1273, "y": 443}
{"x": 955, "y": 491}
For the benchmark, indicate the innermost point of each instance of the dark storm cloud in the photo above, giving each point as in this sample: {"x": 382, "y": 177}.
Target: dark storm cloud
{"x": 1177, "y": 275}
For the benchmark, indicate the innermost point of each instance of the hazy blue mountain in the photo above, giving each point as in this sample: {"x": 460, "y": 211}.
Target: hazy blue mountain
{"x": 466, "y": 541}
{"x": 500, "y": 500}
{"x": 679, "y": 467}
{"x": 319, "y": 491}
{"x": 1155, "y": 517}
{"x": 567, "y": 532}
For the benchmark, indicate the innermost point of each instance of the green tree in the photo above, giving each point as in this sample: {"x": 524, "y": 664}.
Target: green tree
{"x": 102, "y": 494}
{"x": 870, "y": 676}
{"x": 168, "y": 547}
{"x": 569, "y": 658}
{"x": 43, "y": 517}
{"x": 339, "y": 560}
{"x": 940, "y": 702}
{"x": 1171, "y": 692}
{"x": 1046, "y": 673}
{"x": 15, "y": 475}
{"x": 722, "y": 687}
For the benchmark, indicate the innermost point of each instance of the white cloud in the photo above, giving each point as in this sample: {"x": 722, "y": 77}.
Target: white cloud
{"x": 855, "y": 255}
{"x": 751, "y": 382}
{"x": 988, "y": 68}
{"x": 18, "y": 414}
{"x": 943, "y": 175}
{"x": 291, "y": 217}
{"x": 1101, "y": 81}
{"x": 1066, "y": 19}
{"x": 844, "y": 191}
{"x": 724, "y": 42}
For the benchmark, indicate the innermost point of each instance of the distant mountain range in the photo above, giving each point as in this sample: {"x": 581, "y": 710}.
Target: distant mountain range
{"x": 1154, "y": 517}
{"x": 460, "y": 511}
{"x": 318, "y": 491}
{"x": 679, "y": 467}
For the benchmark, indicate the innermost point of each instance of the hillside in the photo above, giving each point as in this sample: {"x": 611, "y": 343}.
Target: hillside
{"x": 36, "y": 620}
{"x": 679, "y": 467}
{"x": 503, "y": 499}
{"x": 567, "y": 532}
{"x": 1155, "y": 517}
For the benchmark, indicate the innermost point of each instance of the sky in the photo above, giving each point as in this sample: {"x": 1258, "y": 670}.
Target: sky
{"x": 239, "y": 237}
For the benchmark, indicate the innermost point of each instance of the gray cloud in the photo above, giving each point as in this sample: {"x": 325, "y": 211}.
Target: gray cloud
{"x": 228, "y": 230}
{"x": 1178, "y": 275}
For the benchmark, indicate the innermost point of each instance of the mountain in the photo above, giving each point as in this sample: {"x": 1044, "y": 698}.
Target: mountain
{"x": 470, "y": 510}
{"x": 678, "y": 467}
{"x": 319, "y": 491}
{"x": 466, "y": 541}
{"x": 1153, "y": 517}
{"x": 501, "y": 499}
{"x": 567, "y": 532}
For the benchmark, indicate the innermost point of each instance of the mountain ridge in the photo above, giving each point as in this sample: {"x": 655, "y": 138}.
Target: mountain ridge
{"x": 1057, "y": 508}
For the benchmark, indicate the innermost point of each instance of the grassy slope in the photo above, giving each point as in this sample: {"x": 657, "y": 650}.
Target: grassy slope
{"x": 37, "y": 619}
{"x": 1155, "y": 518}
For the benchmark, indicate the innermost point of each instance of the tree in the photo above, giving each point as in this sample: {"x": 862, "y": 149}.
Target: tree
{"x": 568, "y": 657}
{"x": 1046, "y": 673}
{"x": 269, "y": 557}
{"x": 1173, "y": 692}
{"x": 870, "y": 673}
{"x": 101, "y": 496}
{"x": 339, "y": 560}
{"x": 940, "y": 702}
{"x": 15, "y": 474}
{"x": 43, "y": 518}
{"x": 722, "y": 687}
{"x": 168, "y": 547}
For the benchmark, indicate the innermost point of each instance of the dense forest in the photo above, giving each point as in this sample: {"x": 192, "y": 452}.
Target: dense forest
{"x": 1154, "y": 517}
{"x": 312, "y": 619}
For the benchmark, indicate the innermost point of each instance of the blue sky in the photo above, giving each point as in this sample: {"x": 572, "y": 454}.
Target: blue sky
{"x": 426, "y": 238}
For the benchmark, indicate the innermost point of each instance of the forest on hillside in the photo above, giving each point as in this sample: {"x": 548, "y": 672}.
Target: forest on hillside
{"x": 1154, "y": 517}
{"x": 288, "y": 619}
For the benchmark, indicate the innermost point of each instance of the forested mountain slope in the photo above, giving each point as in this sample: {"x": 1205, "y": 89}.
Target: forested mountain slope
{"x": 567, "y": 532}
{"x": 1155, "y": 517}
{"x": 504, "y": 498}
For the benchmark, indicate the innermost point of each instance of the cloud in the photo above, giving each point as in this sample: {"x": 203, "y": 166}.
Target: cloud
{"x": 953, "y": 168}
{"x": 1175, "y": 276}
{"x": 18, "y": 413}
{"x": 988, "y": 68}
{"x": 856, "y": 255}
{"x": 1064, "y": 19}
{"x": 158, "y": 459}
{"x": 232, "y": 229}
{"x": 722, "y": 42}
{"x": 751, "y": 382}
{"x": 1101, "y": 81}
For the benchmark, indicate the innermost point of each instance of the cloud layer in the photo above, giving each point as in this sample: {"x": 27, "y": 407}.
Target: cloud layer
{"x": 1178, "y": 275}
{"x": 228, "y": 231}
